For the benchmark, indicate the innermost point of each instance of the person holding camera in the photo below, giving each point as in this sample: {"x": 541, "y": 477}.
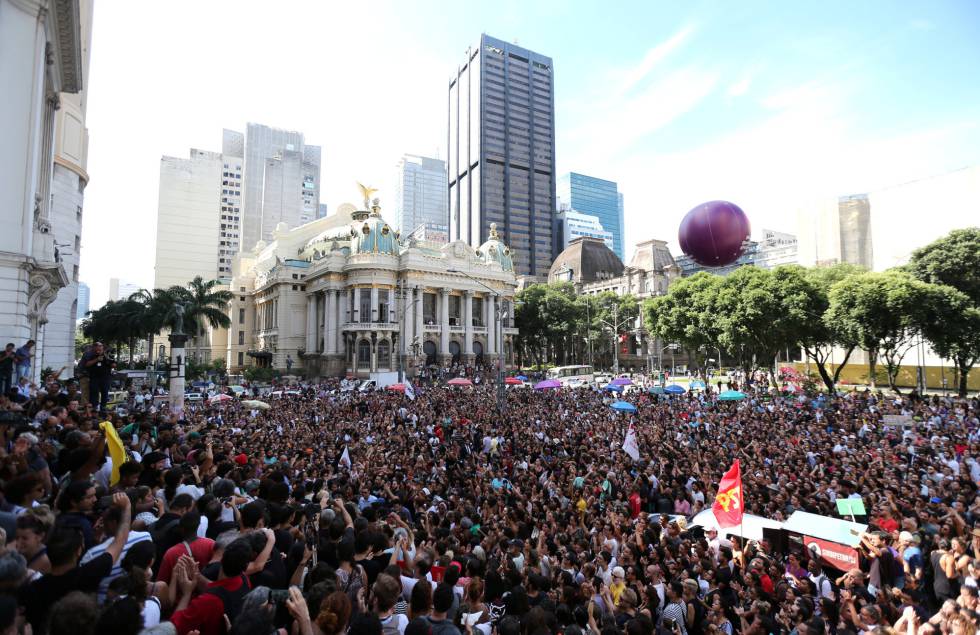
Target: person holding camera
{"x": 99, "y": 367}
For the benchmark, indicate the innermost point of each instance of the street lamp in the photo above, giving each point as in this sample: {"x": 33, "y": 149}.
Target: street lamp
{"x": 615, "y": 325}
{"x": 401, "y": 323}
{"x": 499, "y": 316}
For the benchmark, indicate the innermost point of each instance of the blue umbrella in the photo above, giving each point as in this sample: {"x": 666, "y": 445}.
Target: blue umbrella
{"x": 697, "y": 384}
{"x": 731, "y": 395}
{"x": 623, "y": 406}
{"x": 521, "y": 377}
{"x": 674, "y": 389}
{"x": 614, "y": 388}
{"x": 657, "y": 390}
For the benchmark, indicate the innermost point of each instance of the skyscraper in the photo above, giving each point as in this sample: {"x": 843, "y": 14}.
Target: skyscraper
{"x": 596, "y": 197}
{"x": 502, "y": 151}
{"x": 421, "y": 198}
{"x": 281, "y": 181}
{"x": 83, "y": 300}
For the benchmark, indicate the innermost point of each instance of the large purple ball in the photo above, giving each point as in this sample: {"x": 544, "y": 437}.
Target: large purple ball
{"x": 713, "y": 233}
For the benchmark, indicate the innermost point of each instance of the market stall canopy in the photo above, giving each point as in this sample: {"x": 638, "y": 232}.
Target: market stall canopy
{"x": 459, "y": 381}
{"x": 547, "y": 383}
{"x": 731, "y": 395}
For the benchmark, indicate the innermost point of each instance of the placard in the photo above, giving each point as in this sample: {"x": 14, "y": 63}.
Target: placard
{"x": 897, "y": 420}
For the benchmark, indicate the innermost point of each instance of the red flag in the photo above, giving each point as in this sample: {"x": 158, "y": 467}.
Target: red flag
{"x": 729, "y": 504}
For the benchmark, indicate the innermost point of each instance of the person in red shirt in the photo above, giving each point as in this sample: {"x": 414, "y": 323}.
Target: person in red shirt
{"x": 634, "y": 503}
{"x": 201, "y": 549}
{"x": 757, "y": 569}
{"x": 206, "y": 612}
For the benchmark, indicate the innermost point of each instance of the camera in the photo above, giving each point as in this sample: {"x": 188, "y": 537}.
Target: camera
{"x": 278, "y": 597}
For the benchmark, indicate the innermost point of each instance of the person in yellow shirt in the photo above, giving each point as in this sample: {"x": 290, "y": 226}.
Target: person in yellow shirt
{"x": 618, "y": 583}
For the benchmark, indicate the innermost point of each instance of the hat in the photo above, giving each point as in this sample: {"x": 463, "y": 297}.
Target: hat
{"x": 907, "y": 536}
{"x": 194, "y": 436}
{"x": 935, "y": 499}
{"x": 618, "y": 572}
{"x": 252, "y": 484}
{"x": 712, "y": 529}
{"x": 241, "y": 459}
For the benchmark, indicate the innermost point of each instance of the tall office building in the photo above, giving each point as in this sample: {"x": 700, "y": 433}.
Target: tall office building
{"x": 121, "y": 289}
{"x": 502, "y": 152}
{"x": 281, "y": 180}
{"x": 596, "y": 197}
{"x": 83, "y": 301}
{"x": 421, "y": 197}
{"x": 836, "y": 230}
{"x": 573, "y": 224}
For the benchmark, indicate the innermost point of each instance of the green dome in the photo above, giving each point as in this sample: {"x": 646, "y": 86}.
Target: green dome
{"x": 372, "y": 235}
{"x": 495, "y": 251}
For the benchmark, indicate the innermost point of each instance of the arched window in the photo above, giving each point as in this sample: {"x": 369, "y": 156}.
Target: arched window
{"x": 364, "y": 353}
{"x": 429, "y": 348}
{"x": 454, "y": 351}
{"x": 384, "y": 354}
{"x": 478, "y": 351}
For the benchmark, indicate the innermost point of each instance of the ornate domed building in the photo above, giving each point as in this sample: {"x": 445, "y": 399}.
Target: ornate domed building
{"x": 345, "y": 295}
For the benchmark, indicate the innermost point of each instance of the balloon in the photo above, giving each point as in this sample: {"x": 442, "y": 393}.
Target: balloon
{"x": 713, "y": 233}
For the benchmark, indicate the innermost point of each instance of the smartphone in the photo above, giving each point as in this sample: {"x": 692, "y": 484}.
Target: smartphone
{"x": 668, "y": 623}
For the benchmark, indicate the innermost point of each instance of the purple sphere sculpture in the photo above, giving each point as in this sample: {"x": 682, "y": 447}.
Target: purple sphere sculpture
{"x": 713, "y": 233}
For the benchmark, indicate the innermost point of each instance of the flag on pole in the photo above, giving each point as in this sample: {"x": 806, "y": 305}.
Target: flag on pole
{"x": 345, "y": 458}
{"x": 409, "y": 390}
{"x": 630, "y": 445}
{"x": 729, "y": 504}
{"x": 117, "y": 451}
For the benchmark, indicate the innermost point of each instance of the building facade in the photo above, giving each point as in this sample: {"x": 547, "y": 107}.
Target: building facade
{"x": 84, "y": 299}
{"x": 43, "y": 60}
{"x": 836, "y": 230}
{"x": 595, "y": 197}
{"x": 572, "y": 224}
{"x": 775, "y": 249}
{"x": 501, "y": 141}
{"x": 121, "y": 289}
{"x": 346, "y": 295}
{"x": 421, "y": 197}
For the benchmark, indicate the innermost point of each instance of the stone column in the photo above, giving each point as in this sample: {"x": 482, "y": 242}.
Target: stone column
{"x": 331, "y": 324}
{"x": 492, "y": 325}
{"x": 375, "y": 315}
{"x": 355, "y": 311}
{"x": 408, "y": 322}
{"x": 419, "y": 326}
{"x": 468, "y": 324}
{"x": 339, "y": 319}
{"x": 444, "y": 322}
{"x": 310, "y": 323}
{"x": 178, "y": 362}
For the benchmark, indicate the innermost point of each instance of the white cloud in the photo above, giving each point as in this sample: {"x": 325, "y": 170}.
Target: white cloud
{"x": 634, "y": 76}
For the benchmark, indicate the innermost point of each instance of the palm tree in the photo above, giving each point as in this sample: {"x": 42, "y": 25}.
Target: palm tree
{"x": 205, "y": 306}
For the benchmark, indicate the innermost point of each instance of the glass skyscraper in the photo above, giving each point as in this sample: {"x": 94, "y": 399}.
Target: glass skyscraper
{"x": 421, "y": 196}
{"x": 596, "y": 197}
{"x": 502, "y": 152}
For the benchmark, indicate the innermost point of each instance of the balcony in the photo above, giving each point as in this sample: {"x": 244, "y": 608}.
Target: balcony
{"x": 432, "y": 328}
{"x": 371, "y": 326}
{"x": 510, "y": 330}
{"x": 480, "y": 330}
{"x": 453, "y": 328}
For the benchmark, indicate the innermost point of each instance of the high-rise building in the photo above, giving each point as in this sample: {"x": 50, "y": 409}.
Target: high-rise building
{"x": 189, "y": 218}
{"x": 321, "y": 210}
{"x": 44, "y": 56}
{"x": 775, "y": 249}
{"x": 281, "y": 181}
{"x": 596, "y": 197}
{"x": 122, "y": 289}
{"x": 84, "y": 299}
{"x": 421, "y": 197}
{"x": 836, "y": 230}
{"x": 501, "y": 139}
{"x": 573, "y": 224}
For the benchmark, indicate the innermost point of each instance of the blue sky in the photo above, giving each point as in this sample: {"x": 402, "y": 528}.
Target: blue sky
{"x": 769, "y": 104}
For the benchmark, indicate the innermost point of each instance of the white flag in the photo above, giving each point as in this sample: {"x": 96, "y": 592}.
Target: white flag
{"x": 409, "y": 390}
{"x": 345, "y": 458}
{"x": 629, "y": 443}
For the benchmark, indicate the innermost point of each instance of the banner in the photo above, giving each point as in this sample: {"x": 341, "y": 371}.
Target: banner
{"x": 630, "y": 446}
{"x": 729, "y": 505}
{"x": 832, "y": 554}
{"x": 897, "y": 420}
{"x": 345, "y": 458}
{"x": 409, "y": 390}
{"x": 117, "y": 451}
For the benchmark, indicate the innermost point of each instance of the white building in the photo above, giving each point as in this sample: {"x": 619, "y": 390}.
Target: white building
{"x": 575, "y": 224}
{"x": 344, "y": 294}
{"x": 84, "y": 298}
{"x": 121, "y": 289}
{"x": 43, "y": 53}
{"x": 422, "y": 197}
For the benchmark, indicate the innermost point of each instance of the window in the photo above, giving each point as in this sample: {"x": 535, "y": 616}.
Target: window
{"x": 384, "y": 354}
{"x": 454, "y": 309}
{"x": 241, "y": 316}
{"x": 429, "y": 308}
{"x": 241, "y": 359}
{"x": 241, "y": 338}
{"x": 383, "y": 306}
{"x": 364, "y": 353}
{"x": 365, "y": 308}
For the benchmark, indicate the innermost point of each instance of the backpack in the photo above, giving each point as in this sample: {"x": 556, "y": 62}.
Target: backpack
{"x": 231, "y": 600}
{"x": 833, "y": 587}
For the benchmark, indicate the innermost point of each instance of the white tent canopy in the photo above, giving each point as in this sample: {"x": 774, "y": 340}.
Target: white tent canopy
{"x": 750, "y": 528}
{"x": 825, "y": 528}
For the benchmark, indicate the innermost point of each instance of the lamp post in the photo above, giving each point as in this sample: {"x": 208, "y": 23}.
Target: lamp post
{"x": 498, "y": 315}
{"x": 615, "y": 325}
{"x": 401, "y": 324}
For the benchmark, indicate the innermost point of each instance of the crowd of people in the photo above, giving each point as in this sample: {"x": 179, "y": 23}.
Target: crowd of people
{"x": 334, "y": 512}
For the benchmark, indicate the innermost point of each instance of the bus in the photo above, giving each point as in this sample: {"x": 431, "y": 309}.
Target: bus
{"x": 573, "y": 375}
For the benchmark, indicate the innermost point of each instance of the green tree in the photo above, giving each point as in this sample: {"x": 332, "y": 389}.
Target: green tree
{"x": 205, "y": 305}
{"x": 820, "y": 336}
{"x": 687, "y": 313}
{"x": 883, "y": 312}
{"x": 953, "y": 260}
{"x": 953, "y": 331}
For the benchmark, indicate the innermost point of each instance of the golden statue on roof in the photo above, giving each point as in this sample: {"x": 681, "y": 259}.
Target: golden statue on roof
{"x": 367, "y": 191}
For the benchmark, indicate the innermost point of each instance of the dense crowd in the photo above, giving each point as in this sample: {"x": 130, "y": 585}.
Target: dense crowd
{"x": 369, "y": 513}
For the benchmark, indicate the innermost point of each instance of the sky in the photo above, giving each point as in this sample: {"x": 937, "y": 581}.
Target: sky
{"x": 766, "y": 104}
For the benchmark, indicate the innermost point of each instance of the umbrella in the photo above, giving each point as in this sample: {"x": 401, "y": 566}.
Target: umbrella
{"x": 623, "y": 406}
{"x": 459, "y": 381}
{"x": 521, "y": 377}
{"x": 220, "y": 398}
{"x": 674, "y": 389}
{"x": 396, "y": 387}
{"x": 256, "y": 404}
{"x": 547, "y": 383}
{"x": 697, "y": 384}
{"x": 513, "y": 381}
{"x": 622, "y": 381}
{"x": 731, "y": 395}
{"x": 614, "y": 387}
{"x": 657, "y": 390}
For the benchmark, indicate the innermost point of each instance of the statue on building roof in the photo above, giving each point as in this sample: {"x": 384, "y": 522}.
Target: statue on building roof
{"x": 367, "y": 191}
